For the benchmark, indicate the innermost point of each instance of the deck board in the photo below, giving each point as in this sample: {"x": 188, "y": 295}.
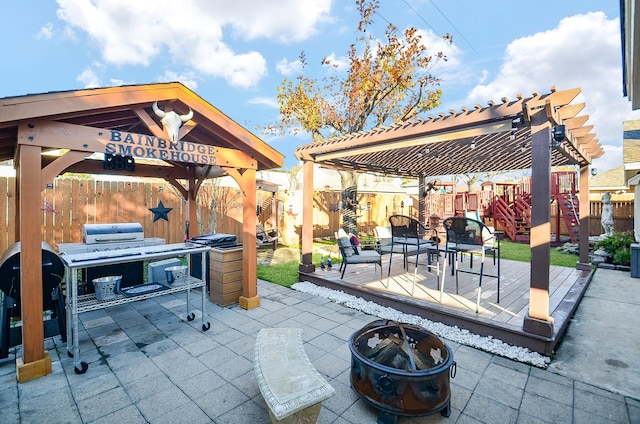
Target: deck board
{"x": 418, "y": 290}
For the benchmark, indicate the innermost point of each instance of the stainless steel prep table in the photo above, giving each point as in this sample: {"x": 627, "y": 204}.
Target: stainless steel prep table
{"x": 76, "y": 304}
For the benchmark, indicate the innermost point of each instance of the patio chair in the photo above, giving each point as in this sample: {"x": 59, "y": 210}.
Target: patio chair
{"x": 407, "y": 233}
{"x": 466, "y": 235}
{"x": 266, "y": 239}
{"x": 488, "y": 234}
{"x": 352, "y": 255}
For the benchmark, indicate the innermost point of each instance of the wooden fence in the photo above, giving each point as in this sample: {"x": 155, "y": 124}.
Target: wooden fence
{"x": 71, "y": 202}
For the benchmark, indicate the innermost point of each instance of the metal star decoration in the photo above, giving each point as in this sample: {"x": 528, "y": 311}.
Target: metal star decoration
{"x": 160, "y": 212}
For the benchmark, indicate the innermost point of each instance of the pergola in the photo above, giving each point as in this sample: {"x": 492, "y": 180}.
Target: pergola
{"x": 123, "y": 121}
{"x": 533, "y": 133}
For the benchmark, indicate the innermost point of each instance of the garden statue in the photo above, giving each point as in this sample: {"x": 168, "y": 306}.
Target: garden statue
{"x": 607, "y": 215}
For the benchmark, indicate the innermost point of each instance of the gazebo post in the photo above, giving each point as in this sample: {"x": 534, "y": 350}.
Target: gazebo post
{"x": 192, "y": 194}
{"x": 307, "y": 218}
{"x": 585, "y": 216}
{"x": 35, "y": 361}
{"x": 247, "y": 182}
{"x": 538, "y": 320}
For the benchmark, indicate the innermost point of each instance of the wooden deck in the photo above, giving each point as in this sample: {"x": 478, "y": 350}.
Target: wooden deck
{"x": 417, "y": 292}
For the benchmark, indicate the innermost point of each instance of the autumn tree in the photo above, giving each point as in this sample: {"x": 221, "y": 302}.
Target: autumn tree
{"x": 388, "y": 80}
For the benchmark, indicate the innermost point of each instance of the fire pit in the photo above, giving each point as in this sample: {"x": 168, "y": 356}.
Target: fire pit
{"x": 401, "y": 369}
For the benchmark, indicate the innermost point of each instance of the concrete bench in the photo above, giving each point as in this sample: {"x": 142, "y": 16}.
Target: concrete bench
{"x": 290, "y": 385}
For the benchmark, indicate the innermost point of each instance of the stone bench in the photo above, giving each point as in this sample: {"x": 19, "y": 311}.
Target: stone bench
{"x": 289, "y": 383}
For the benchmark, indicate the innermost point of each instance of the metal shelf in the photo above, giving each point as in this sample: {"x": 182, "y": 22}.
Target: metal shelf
{"x": 89, "y": 302}
{"x": 77, "y": 304}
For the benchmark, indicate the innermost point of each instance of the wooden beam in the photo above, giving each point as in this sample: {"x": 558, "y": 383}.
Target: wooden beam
{"x": 538, "y": 320}
{"x": 307, "y": 218}
{"x": 57, "y": 167}
{"x": 247, "y": 182}
{"x": 31, "y": 258}
{"x": 569, "y": 111}
{"x": 576, "y": 122}
{"x": 57, "y": 135}
{"x": 149, "y": 122}
{"x": 585, "y": 218}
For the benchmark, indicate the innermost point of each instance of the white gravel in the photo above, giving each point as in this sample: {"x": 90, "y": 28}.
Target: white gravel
{"x": 452, "y": 333}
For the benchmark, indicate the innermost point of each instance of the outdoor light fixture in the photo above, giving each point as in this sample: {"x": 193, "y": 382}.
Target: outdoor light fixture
{"x": 559, "y": 134}
{"x": 594, "y": 172}
{"x": 523, "y": 148}
{"x": 473, "y": 144}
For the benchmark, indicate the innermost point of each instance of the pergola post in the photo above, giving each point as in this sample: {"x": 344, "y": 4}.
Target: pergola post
{"x": 307, "y": 218}
{"x": 35, "y": 361}
{"x": 585, "y": 216}
{"x": 538, "y": 320}
{"x": 421, "y": 202}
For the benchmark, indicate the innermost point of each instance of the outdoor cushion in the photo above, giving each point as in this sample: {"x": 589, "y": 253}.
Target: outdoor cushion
{"x": 345, "y": 243}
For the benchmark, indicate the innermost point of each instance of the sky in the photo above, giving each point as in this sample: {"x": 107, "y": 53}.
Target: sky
{"x": 236, "y": 54}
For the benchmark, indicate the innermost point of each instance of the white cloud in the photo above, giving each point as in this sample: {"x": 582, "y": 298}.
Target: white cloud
{"x": 287, "y": 68}
{"x": 582, "y": 51}
{"x": 193, "y": 32}
{"x": 46, "y": 32}
{"x": 265, "y": 101}
{"x": 282, "y": 20}
{"x": 89, "y": 78}
{"x": 339, "y": 63}
{"x": 612, "y": 157}
{"x": 187, "y": 78}
{"x": 452, "y": 66}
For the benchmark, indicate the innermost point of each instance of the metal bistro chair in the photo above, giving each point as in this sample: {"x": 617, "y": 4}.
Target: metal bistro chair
{"x": 407, "y": 232}
{"x": 352, "y": 255}
{"x": 466, "y": 235}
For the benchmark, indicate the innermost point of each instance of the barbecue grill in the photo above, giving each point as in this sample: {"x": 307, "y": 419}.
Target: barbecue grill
{"x": 52, "y": 273}
{"x": 114, "y": 236}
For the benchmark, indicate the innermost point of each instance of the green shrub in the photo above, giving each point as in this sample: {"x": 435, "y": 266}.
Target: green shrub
{"x": 618, "y": 246}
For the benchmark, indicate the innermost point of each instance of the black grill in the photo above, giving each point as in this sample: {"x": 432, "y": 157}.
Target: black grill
{"x": 52, "y": 274}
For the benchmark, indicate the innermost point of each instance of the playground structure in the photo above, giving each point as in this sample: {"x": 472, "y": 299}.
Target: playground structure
{"x": 507, "y": 206}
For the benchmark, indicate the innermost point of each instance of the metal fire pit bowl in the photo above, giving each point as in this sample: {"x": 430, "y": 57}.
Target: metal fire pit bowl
{"x": 401, "y": 370}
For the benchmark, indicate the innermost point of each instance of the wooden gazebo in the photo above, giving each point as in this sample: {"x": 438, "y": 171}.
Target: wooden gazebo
{"x": 127, "y": 122}
{"x": 534, "y": 133}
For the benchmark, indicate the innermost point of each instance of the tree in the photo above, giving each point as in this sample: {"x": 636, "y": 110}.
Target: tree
{"x": 387, "y": 81}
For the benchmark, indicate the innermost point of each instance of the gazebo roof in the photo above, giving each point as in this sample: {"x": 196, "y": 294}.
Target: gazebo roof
{"x": 495, "y": 137}
{"x": 129, "y": 109}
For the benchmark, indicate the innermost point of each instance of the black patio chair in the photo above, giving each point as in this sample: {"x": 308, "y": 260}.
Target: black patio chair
{"x": 353, "y": 255}
{"x": 408, "y": 233}
{"x": 466, "y": 235}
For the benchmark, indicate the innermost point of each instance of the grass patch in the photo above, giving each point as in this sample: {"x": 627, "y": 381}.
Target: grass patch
{"x": 522, "y": 252}
{"x": 282, "y": 267}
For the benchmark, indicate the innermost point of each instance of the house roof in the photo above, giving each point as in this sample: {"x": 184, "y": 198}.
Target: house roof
{"x": 490, "y": 138}
{"x": 130, "y": 109}
{"x": 612, "y": 179}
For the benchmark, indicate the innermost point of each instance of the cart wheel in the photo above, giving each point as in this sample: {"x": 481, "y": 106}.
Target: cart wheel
{"x": 206, "y": 326}
{"x": 69, "y": 354}
{"x": 84, "y": 368}
{"x": 191, "y": 316}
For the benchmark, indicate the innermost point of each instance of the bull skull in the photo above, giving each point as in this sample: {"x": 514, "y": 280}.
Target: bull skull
{"x": 171, "y": 121}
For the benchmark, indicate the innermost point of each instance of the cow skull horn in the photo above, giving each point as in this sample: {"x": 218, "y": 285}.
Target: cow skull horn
{"x": 188, "y": 116}
{"x": 160, "y": 113}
